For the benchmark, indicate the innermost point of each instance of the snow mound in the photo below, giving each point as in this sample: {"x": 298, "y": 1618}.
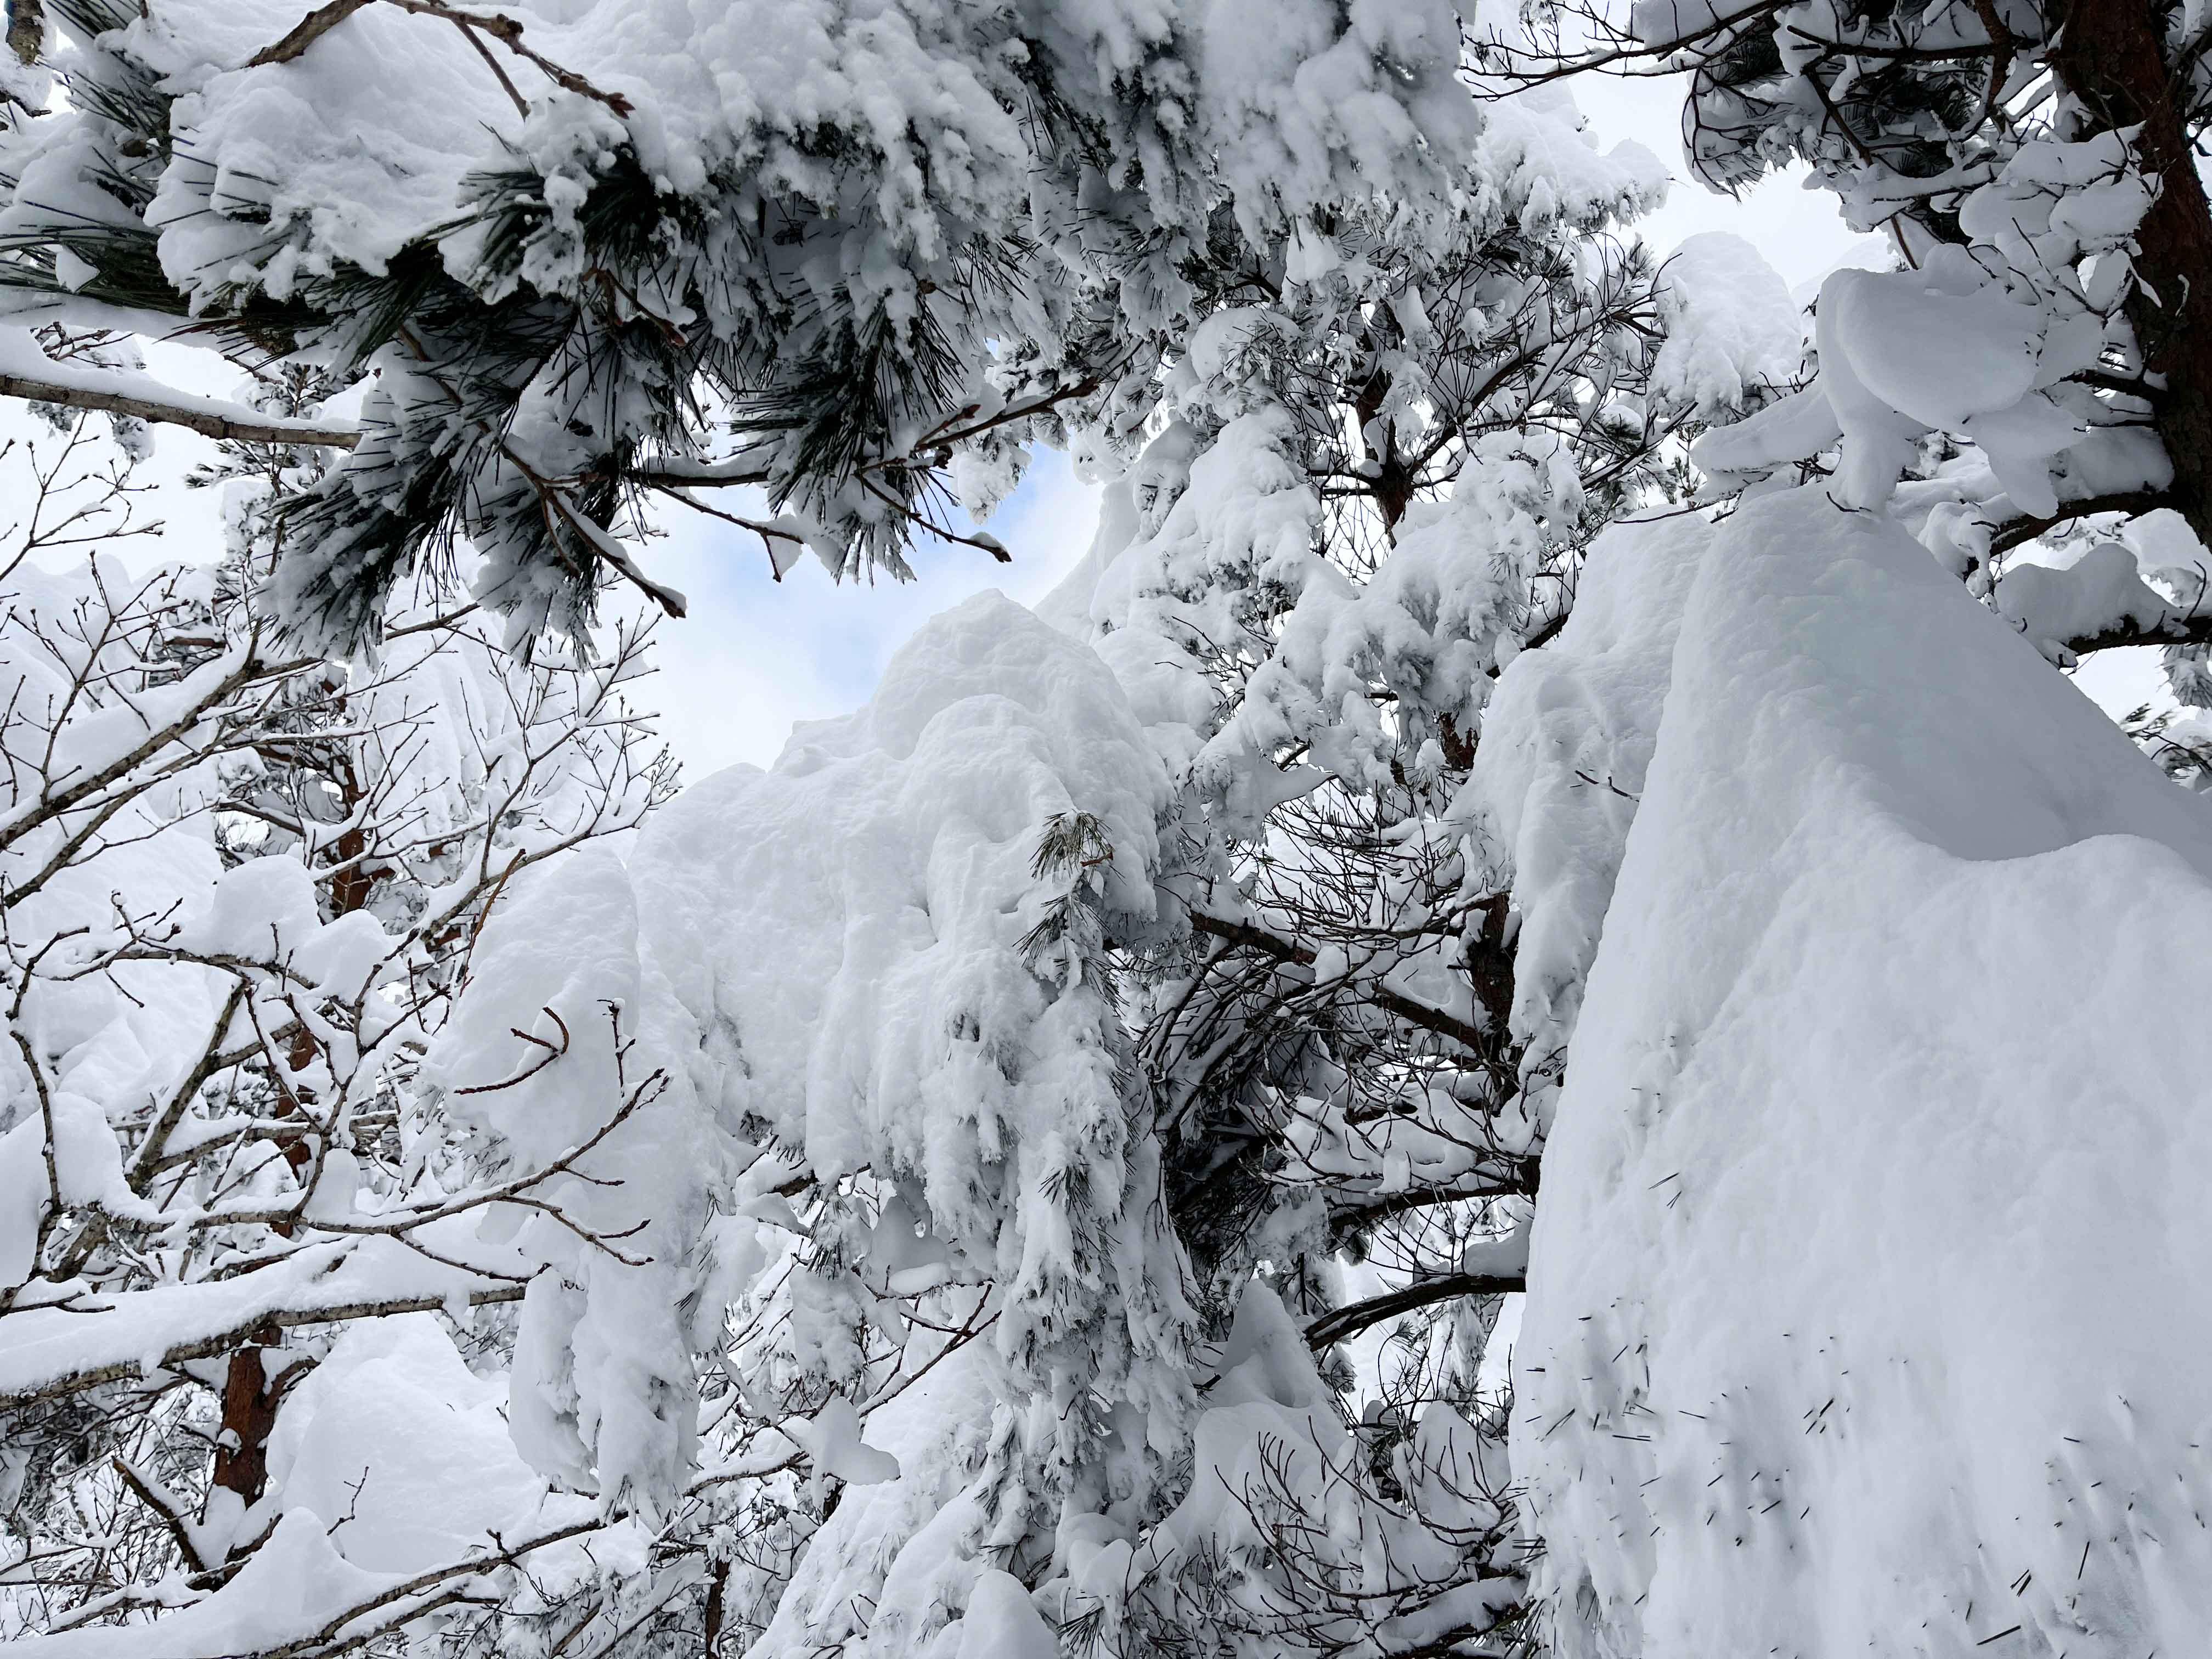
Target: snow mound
{"x": 893, "y": 975}
{"x": 1867, "y": 1302}
{"x": 1732, "y": 328}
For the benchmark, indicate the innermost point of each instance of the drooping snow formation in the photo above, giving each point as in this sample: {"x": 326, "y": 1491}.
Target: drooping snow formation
{"x": 1863, "y": 1293}
{"x": 890, "y": 991}
{"x": 603, "y": 1397}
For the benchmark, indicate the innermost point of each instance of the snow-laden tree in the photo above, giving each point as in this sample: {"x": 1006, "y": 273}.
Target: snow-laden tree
{"x": 2034, "y": 363}
{"x": 592, "y": 255}
{"x": 918, "y": 1176}
{"x": 898, "y": 1209}
{"x": 1865, "y": 1299}
{"x": 1088, "y": 1001}
{"x": 248, "y": 1143}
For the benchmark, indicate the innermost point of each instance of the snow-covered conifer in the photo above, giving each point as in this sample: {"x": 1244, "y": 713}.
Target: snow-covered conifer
{"x": 1121, "y": 986}
{"x": 594, "y": 256}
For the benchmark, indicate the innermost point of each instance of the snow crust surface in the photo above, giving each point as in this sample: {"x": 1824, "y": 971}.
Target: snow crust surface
{"x": 1867, "y": 1299}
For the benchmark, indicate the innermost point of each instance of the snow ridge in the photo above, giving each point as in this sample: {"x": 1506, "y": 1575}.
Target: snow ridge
{"x": 1852, "y": 1292}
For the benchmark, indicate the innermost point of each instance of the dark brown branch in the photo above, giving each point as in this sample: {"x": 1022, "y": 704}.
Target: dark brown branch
{"x": 26, "y": 30}
{"x": 1523, "y": 1183}
{"x": 2109, "y": 56}
{"x": 508, "y": 31}
{"x": 1343, "y": 1324}
{"x": 2014, "y": 532}
{"x": 148, "y": 1161}
{"x": 179, "y": 1525}
{"x": 304, "y": 34}
{"x": 2176, "y": 628}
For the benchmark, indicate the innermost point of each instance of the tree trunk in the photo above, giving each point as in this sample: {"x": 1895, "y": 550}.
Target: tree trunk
{"x": 717, "y": 1583}
{"x": 249, "y": 1403}
{"x": 2108, "y": 56}
{"x": 249, "y": 1412}
{"x": 1392, "y": 486}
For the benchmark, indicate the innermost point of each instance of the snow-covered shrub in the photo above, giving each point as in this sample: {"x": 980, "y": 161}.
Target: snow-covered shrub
{"x": 277, "y": 1218}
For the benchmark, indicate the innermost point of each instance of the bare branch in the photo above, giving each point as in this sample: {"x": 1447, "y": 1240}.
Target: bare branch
{"x": 1340, "y": 1324}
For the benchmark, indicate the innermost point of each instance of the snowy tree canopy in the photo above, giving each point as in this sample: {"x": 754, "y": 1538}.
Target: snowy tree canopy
{"x": 593, "y": 255}
{"x": 898, "y": 1182}
{"x": 2030, "y": 365}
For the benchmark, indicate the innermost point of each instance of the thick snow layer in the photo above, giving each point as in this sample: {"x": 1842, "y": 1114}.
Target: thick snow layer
{"x": 1867, "y": 1305}
{"x": 2101, "y": 590}
{"x": 1541, "y": 164}
{"x": 888, "y": 977}
{"x": 1565, "y": 740}
{"x": 911, "y": 821}
{"x": 285, "y": 1593}
{"x": 1001, "y": 1623}
{"x": 369, "y": 138}
{"x": 909, "y": 1541}
{"x": 1942, "y": 347}
{"x": 362, "y": 143}
{"x": 1732, "y": 328}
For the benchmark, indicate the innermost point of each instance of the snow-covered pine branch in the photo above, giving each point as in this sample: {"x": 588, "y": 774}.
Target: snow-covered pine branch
{"x": 2030, "y": 368}
{"x": 829, "y": 247}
